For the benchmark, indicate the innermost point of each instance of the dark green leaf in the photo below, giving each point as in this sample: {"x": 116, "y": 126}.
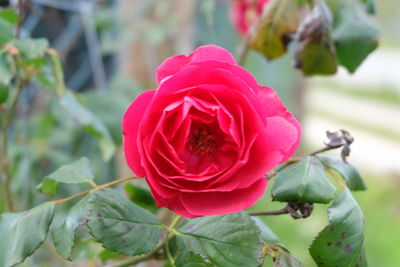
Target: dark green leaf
{"x": 120, "y": 225}
{"x": 31, "y": 48}
{"x": 230, "y": 240}
{"x": 287, "y": 260}
{"x": 6, "y": 31}
{"x": 90, "y": 123}
{"x": 3, "y": 93}
{"x": 9, "y": 15}
{"x": 77, "y": 172}
{"x": 64, "y": 235}
{"x": 141, "y": 196}
{"x": 315, "y": 53}
{"x": 273, "y": 34}
{"x": 370, "y": 6}
{"x": 304, "y": 182}
{"x": 5, "y": 70}
{"x": 348, "y": 172}
{"x": 341, "y": 242}
{"x": 267, "y": 234}
{"x": 355, "y": 36}
{"x": 22, "y": 233}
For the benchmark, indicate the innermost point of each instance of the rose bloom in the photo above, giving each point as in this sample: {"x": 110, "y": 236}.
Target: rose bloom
{"x": 245, "y": 12}
{"x": 206, "y": 137}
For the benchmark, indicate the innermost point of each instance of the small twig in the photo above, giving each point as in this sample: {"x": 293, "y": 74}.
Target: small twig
{"x": 324, "y": 149}
{"x": 296, "y": 210}
{"x": 118, "y": 181}
{"x": 268, "y": 213}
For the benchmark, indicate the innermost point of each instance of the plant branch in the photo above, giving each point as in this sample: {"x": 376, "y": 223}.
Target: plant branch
{"x": 296, "y": 210}
{"x": 118, "y": 181}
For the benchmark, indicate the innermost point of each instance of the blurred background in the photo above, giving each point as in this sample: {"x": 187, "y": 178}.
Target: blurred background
{"x": 110, "y": 50}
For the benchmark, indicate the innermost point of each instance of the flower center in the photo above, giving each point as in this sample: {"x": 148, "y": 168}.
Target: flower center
{"x": 202, "y": 141}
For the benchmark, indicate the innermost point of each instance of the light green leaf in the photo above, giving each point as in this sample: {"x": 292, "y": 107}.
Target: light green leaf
{"x": 316, "y": 52}
{"x": 90, "y": 123}
{"x": 121, "y": 225}
{"x": 6, "y": 31}
{"x": 267, "y": 234}
{"x": 287, "y": 260}
{"x": 273, "y": 34}
{"x": 9, "y": 15}
{"x": 31, "y": 48}
{"x": 347, "y": 171}
{"x": 22, "y": 233}
{"x": 77, "y": 172}
{"x": 341, "y": 242}
{"x": 64, "y": 235}
{"x": 304, "y": 182}
{"x": 355, "y": 36}
{"x": 230, "y": 240}
{"x": 5, "y": 70}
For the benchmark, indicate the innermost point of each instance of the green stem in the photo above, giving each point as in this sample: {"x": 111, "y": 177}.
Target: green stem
{"x": 118, "y": 181}
{"x": 8, "y": 118}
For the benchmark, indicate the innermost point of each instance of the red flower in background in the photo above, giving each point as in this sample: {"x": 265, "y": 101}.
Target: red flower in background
{"x": 206, "y": 137}
{"x": 245, "y": 12}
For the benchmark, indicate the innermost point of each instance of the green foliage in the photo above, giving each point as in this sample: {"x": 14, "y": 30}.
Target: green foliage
{"x": 273, "y": 34}
{"x": 267, "y": 235}
{"x": 304, "y": 182}
{"x": 64, "y": 234}
{"x": 341, "y": 242}
{"x": 355, "y": 36}
{"x": 347, "y": 171}
{"x": 9, "y": 15}
{"x": 77, "y": 172}
{"x": 121, "y": 225}
{"x": 316, "y": 52}
{"x": 3, "y": 93}
{"x": 141, "y": 196}
{"x": 190, "y": 259}
{"x": 5, "y": 69}
{"x": 31, "y": 48}
{"x": 228, "y": 240}
{"x": 89, "y": 122}
{"x": 6, "y": 30}
{"x": 22, "y": 233}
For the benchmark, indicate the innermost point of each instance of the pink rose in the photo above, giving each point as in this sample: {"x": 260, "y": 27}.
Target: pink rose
{"x": 205, "y": 139}
{"x": 245, "y": 12}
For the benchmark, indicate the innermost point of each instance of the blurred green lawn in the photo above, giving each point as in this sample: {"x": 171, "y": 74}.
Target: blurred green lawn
{"x": 381, "y": 207}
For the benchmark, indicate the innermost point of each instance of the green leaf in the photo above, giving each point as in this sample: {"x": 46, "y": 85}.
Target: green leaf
{"x": 3, "y": 93}
{"x": 303, "y": 182}
{"x": 141, "y": 196}
{"x": 64, "y": 235}
{"x": 267, "y": 234}
{"x": 287, "y": 260}
{"x": 6, "y": 31}
{"x": 120, "y": 225}
{"x": 230, "y": 240}
{"x": 106, "y": 255}
{"x": 370, "y": 6}
{"x": 22, "y": 233}
{"x": 77, "y": 172}
{"x": 272, "y": 36}
{"x": 355, "y": 36}
{"x": 316, "y": 52}
{"x": 9, "y": 15}
{"x": 32, "y": 48}
{"x": 90, "y": 123}
{"x": 347, "y": 171}
{"x": 5, "y": 70}
{"x": 190, "y": 259}
{"x": 341, "y": 242}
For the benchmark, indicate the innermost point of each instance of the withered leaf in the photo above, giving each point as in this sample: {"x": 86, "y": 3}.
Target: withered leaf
{"x": 273, "y": 34}
{"x": 315, "y": 53}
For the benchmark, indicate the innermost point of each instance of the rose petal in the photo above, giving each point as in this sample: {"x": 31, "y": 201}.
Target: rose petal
{"x": 130, "y": 124}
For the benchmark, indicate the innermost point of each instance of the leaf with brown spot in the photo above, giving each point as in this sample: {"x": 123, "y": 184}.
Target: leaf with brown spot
{"x": 315, "y": 53}
{"x": 273, "y": 34}
{"x": 345, "y": 245}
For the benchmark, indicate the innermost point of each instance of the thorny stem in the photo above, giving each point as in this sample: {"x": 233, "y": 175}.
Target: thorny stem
{"x": 163, "y": 244}
{"x": 118, "y": 181}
